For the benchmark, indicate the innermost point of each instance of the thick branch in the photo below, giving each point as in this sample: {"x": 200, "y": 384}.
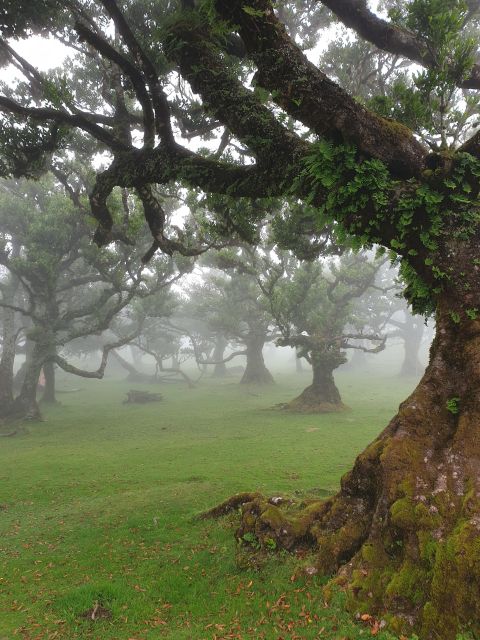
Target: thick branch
{"x": 161, "y": 165}
{"x": 190, "y": 45}
{"x": 311, "y": 97}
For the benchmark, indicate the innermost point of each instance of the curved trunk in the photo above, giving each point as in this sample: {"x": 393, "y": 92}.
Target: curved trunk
{"x": 404, "y": 529}
{"x": 25, "y": 404}
{"x": 322, "y": 396}
{"x": 413, "y": 339}
{"x": 256, "y": 372}
{"x": 220, "y": 368}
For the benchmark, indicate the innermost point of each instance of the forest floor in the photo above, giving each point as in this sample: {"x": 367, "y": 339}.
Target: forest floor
{"x": 98, "y": 531}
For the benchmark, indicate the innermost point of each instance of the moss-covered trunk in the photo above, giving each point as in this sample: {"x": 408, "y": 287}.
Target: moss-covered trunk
{"x": 404, "y": 530}
{"x": 256, "y": 372}
{"x": 322, "y": 396}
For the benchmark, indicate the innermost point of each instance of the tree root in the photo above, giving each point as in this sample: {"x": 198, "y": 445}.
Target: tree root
{"x": 231, "y": 504}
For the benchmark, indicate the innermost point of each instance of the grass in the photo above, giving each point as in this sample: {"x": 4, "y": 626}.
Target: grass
{"x": 98, "y": 506}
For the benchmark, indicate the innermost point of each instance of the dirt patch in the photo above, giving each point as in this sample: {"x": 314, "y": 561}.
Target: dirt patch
{"x": 97, "y": 612}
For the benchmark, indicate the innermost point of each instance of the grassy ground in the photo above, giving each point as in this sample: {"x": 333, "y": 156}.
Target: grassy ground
{"x": 98, "y": 505}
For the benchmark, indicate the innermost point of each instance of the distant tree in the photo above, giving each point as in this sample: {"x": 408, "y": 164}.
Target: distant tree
{"x": 410, "y": 330}
{"x": 233, "y": 305}
{"x": 313, "y": 305}
{"x": 67, "y": 288}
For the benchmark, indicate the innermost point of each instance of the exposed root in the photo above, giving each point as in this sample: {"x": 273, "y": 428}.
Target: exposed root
{"x": 231, "y": 504}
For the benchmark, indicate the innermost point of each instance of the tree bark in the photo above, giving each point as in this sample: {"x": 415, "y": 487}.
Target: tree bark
{"x": 256, "y": 372}
{"x": 403, "y": 530}
{"x": 322, "y": 396}
{"x": 220, "y": 368}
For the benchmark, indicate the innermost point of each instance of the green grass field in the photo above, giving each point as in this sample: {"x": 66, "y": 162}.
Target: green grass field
{"x": 98, "y": 506}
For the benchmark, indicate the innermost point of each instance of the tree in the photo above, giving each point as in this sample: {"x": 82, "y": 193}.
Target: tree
{"x": 411, "y": 330}
{"x": 66, "y": 288}
{"x": 313, "y": 306}
{"x": 404, "y": 525}
{"x": 232, "y": 304}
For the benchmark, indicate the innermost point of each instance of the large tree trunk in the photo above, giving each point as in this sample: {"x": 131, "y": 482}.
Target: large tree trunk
{"x": 413, "y": 334}
{"x": 220, "y": 368}
{"x": 403, "y": 532}
{"x": 322, "y": 396}
{"x": 256, "y": 372}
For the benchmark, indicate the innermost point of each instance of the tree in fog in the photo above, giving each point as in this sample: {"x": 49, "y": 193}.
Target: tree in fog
{"x": 233, "y": 306}
{"x": 66, "y": 288}
{"x": 313, "y": 305}
{"x": 385, "y": 309}
{"x": 399, "y": 172}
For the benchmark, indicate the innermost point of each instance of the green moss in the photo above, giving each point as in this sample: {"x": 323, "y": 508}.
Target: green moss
{"x": 427, "y": 546}
{"x": 409, "y": 583}
{"x": 402, "y": 514}
{"x": 426, "y": 518}
{"x": 397, "y": 128}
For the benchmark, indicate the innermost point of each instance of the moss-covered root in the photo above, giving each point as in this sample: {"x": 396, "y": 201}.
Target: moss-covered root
{"x": 231, "y": 504}
{"x": 267, "y": 525}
